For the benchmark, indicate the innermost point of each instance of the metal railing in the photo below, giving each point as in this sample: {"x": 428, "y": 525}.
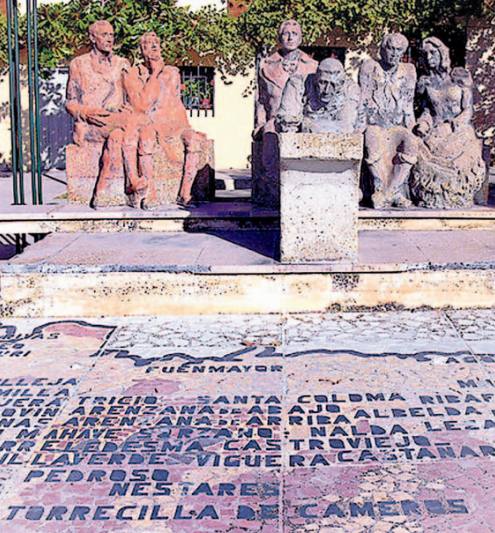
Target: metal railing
{"x": 15, "y": 103}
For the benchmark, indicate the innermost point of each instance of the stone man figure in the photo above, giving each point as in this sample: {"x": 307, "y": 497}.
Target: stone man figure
{"x": 388, "y": 95}
{"x": 327, "y": 102}
{"x": 95, "y": 99}
{"x": 158, "y": 117}
{"x": 274, "y": 71}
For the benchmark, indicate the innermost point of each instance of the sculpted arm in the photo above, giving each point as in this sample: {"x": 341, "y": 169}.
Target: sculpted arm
{"x": 260, "y": 111}
{"x": 467, "y": 107}
{"x": 365, "y": 79}
{"x": 141, "y": 97}
{"x": 133, "y": 90}
{"x": 96, "y": 116}
{"x": 74, "y": 92}
{"x": 290, "y": 114}
{"x": 425, "y": 120}
{"x": 357, "y": 101}
{"x": 367, "y": 83}
{"x": 409, "y": 118}
{"x": 177, "y": 83}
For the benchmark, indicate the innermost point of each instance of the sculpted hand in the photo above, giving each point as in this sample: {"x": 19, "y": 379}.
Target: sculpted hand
{"x": 288, "y": 123}
{"x": 126, "y": 108}
{"x": 457, "y": 124}
{"x": 95, "y": 115}
{"x": 156, "y": 66}
{"x": 421, "y": 129}
{"x": 256, "y": 135}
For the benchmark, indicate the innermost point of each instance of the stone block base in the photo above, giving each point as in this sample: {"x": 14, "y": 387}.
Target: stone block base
{"x": 83, "y": 164}
{"x": 319, "y": 196}
{"x": 265, "y": 164}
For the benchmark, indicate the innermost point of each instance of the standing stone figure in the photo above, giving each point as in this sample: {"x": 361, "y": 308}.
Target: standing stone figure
{"x": 450, "y": 168}
{"x": 391, "y": 148}
{"x": 158, "y": 122}
{"x": 95, "y": 99}
{"x": 327, "y": 102}
{"x": 274, "y": 71}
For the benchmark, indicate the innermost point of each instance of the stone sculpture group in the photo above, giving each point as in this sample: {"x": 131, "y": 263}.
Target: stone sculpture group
{"x": 132, "y": 140}
{"x": 133, "y": 143}
{"x": 433, "y": 162}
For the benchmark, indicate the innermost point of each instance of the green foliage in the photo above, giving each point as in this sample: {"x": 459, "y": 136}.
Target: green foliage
{"x": 3, "y": 41}
{"x": 233, "y": 43}
{"x": 63, "y": 26}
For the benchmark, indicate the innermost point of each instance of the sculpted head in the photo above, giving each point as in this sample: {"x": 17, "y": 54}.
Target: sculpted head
{"x": 150, "y": 46}
{"x": 102, "y": 36}
{"x": 290, "y": 35}
{"x": 393, "y": 48}
{"x": 329, "y": 79}
{"x": 436, "y": 54}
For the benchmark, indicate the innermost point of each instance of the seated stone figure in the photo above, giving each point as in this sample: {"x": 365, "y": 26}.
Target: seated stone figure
{"x": 450, "y": 168}
{"x": 166, "y": 160}
{"x": 95, "y": 99}
{"x": 327, "y": 102}
{"x": 391, "y": 148}
{"x": 273, "y": 73}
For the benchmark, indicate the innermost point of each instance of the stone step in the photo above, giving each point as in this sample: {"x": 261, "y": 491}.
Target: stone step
{"x": 124, "y": 274}
{"x": 228, "y": 214}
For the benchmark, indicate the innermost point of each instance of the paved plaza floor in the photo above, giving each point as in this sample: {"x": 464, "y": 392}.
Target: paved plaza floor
{"x": 248, "y": 251}
{"x": 359, "y": 422}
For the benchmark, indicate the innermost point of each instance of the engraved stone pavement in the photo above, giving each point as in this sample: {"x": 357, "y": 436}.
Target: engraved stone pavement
{"x": 355, "y": 422}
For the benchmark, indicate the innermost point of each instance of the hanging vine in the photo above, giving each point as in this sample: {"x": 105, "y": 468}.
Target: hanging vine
{"x": 231, "y": 43}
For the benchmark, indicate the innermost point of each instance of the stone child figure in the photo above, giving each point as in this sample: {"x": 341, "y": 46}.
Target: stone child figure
{"x": 158, "y": 116}
{"x": 450, "y": 167}
{"x": 391, "y": 148}
{"x": 95, "y": 99}
{"x": 274, "y": 71}
{"x": 327, "y": 102}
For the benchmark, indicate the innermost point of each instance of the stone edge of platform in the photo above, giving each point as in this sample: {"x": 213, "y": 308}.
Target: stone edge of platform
{"x": 138, "y": 293}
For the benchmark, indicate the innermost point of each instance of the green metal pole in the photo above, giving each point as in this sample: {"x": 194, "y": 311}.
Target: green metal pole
{"x": 37, "y": 99}
{"x": 20, "y": 157}
{"x": 32, "y": 132}
{"x": 12, "y": 97}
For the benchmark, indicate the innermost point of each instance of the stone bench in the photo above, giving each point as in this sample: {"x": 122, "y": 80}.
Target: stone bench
{"x": 83, "y": 163}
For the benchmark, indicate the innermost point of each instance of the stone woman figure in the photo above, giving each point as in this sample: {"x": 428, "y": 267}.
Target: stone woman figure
{"x": 450, "y": 168}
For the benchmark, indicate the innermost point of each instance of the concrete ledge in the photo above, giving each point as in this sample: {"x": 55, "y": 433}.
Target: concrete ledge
{"x": 222, "y": 215}
{"x": 148, "y": 293}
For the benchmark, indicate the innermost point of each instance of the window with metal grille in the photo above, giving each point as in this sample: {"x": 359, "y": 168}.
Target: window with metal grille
{"x": 198, "y": 90}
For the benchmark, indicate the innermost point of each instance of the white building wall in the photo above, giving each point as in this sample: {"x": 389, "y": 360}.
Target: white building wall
{"x": 233, "y": 122}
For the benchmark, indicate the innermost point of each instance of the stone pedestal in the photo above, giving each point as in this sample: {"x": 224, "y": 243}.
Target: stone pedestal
{"x": 319, "y": 197}
{"x": 266, "y": 172}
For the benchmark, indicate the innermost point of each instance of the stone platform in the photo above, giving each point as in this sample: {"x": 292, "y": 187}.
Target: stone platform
{"x": 238, "y": 271}
{"x": 349, "y": 422}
